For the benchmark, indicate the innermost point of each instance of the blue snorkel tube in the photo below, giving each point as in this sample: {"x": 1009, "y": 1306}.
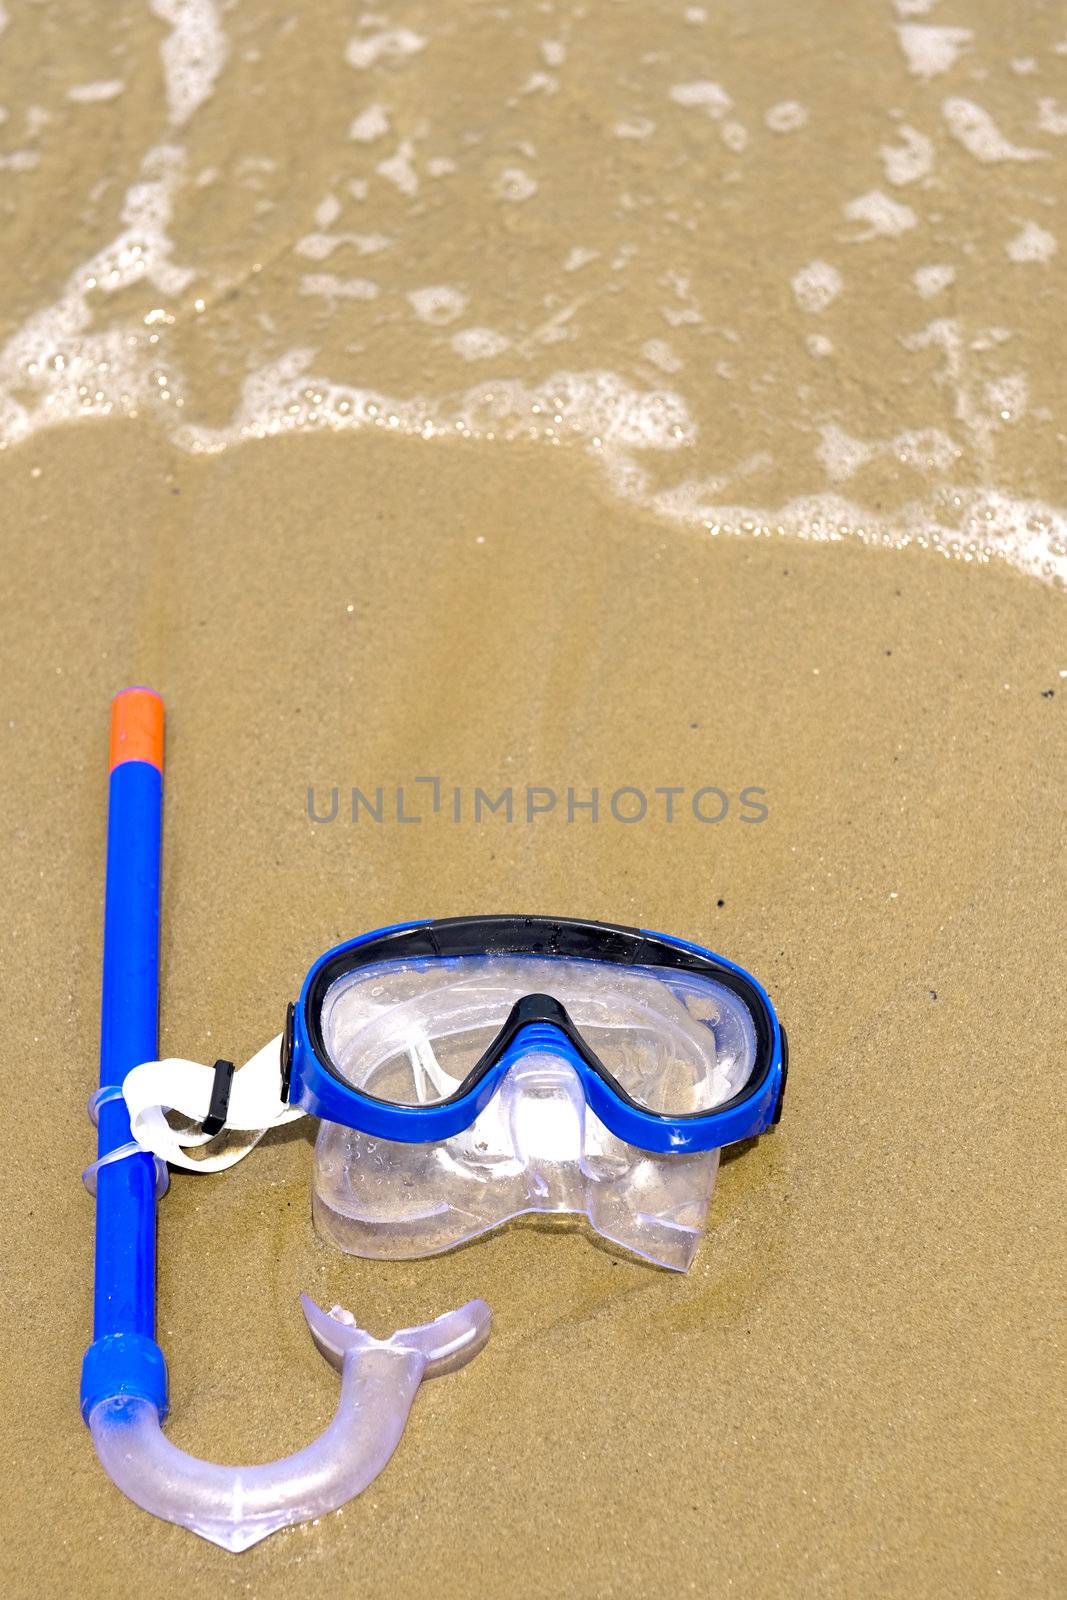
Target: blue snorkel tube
{"x": 124, "y": 1375}
{"x": 124, "y": 1358}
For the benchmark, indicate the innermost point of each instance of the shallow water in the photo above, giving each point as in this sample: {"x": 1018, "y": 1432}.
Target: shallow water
{"x": 797, "y": 268}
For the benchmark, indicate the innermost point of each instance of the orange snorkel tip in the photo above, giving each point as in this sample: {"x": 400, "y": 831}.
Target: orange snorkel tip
{"x": 137, "y": 727}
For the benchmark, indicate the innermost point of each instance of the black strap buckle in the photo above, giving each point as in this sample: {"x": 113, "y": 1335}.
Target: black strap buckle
{"x": 219, "y": 1104}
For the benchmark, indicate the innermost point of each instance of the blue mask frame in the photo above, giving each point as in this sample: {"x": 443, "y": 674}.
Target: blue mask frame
{"x": 535, "y": 1022}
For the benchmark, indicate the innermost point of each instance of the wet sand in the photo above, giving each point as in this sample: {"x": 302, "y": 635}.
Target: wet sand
{"x": 566, "y": 398}
{"x": 852, "y": 1390}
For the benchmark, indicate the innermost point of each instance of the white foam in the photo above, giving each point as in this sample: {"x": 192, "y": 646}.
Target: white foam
{"x": 514, "y": 185}
{"x": 703, "y": 95}
{"x": 931, "y": 280}
{"x": 20, "y": 161}
{"x": 87, "y": 94}
{"x": 328, "y": 210}
{"x": 555, "y": 329}
{"x": 479, "y": 344}
{"x": 840, "y": 454}
{"x": 1050, "y": 118}
{"x": 979, "y": 134}
{"x": 885, "y": 218}
{"x": 391, "y": 44}
{"x": 328, "y": 286}
{"x": 317, "y": 246}
{"x": 986, "y": 527}
{"x": 910, "y": 160}
{"x": 1032, "y": 243}
{"x": 320, "y": 246}
{"x": 579, "y": 257}
{"x": 437, "y": 304}
{"x": 540, "y": 83}
{"x": 685, "y": 315}
{"x": 399, "y": 168}
{"x": 553, "y": 53}
{"x": 734, "y": 136}
{"x": 816, "y": 286}
{"x": 975, "y": 526}
{"x": 55, "y": 368}
{"x": 976, "y": 403}
{"x": 1008, "y": 396}
{"x": 369, "y": 125}
{"x": 193, "y": 53}
{"x": 146, "y": 211}
{"x": 786, "y": 116}
{"x": 932, "y": 50}
{"x": 597, "y": 409}
{"x": 659, "y": 352}
{"x": 925, "y": 449}
{"x": 634, "y": 128}
{"x": 818, "y": 345}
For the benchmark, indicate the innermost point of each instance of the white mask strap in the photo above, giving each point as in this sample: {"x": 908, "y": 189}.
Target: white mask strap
{"x": 255, "y": 1105}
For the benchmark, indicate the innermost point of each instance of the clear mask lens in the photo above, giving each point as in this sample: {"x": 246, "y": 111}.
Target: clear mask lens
{"x": 409, "y": 1032}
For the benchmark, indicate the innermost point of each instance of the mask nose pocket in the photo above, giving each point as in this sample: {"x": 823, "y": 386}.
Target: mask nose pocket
{"x": 545, "y": 1110}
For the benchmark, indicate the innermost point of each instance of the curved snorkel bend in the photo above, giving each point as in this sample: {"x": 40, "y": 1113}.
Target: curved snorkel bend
{"x": 236, "y": 1506}
{"x": 124, "y": 1374}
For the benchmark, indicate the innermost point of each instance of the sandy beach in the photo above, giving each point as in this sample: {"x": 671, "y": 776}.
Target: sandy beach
{"x": 738, "y": 561}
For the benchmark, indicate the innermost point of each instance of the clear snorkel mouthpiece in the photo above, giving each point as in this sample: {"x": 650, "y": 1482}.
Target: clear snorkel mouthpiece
{"x": 235, "y": 1507}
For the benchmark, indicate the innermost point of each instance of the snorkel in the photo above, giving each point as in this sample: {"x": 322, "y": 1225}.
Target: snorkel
{"x": 124, "y": 1375}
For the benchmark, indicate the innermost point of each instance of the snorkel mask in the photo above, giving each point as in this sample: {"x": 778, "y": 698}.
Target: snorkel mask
{"x": 471, "y": 1069}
